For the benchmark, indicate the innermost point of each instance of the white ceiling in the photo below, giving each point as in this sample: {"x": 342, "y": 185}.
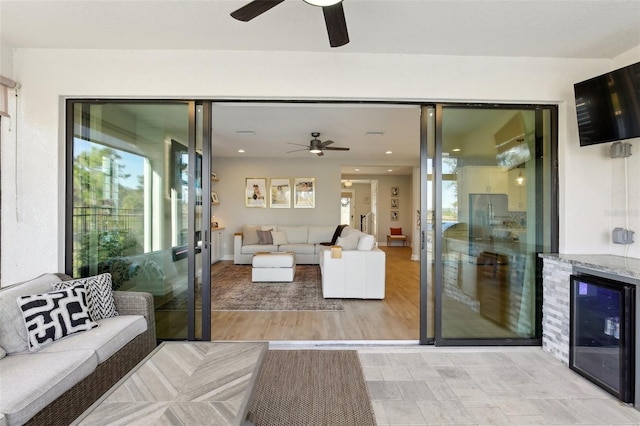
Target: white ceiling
{"x": 563, "y": 29}
{"x": 552, "y": 28}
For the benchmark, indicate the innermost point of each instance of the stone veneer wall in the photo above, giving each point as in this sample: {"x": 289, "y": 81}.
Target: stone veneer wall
{"x": 555, "y": 308}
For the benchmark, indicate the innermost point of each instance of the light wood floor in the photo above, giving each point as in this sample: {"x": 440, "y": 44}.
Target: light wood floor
{"x": 394, "y": 318}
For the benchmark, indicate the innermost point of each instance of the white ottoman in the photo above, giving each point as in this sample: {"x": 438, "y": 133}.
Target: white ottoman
{"x": 273, "y": 267}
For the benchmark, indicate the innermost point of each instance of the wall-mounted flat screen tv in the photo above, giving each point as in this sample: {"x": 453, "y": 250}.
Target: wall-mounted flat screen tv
{"x": 608, "y": 106}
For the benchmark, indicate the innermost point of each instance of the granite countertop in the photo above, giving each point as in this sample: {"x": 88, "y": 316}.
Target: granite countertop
{"x": 619, "y": 265}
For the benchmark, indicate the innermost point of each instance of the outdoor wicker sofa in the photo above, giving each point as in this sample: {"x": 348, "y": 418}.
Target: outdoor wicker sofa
{"x": 75, "y": 400}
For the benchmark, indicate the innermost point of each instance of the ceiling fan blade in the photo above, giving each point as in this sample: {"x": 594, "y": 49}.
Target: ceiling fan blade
{"x": 337, "y": 148}
{"x": 253, "y": 9}
{"x": 320, "y": 154}
{"x": 336, "y": 25}
{"x": 297, "y": 144}
{"x": 325, "y": 143}
{"x": 296, "y": 150}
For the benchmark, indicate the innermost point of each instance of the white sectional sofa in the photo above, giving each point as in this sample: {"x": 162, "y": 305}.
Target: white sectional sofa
{"x": 54, "y": 384}
{"x": 356, "y": 271}
{"x": 303, "y": 240}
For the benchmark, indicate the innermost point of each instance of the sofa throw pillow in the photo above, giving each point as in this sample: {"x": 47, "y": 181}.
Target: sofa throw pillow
{"x": 100, "y": 300}
{"x": 250, "y": 235}
{"x": 51, "y": 316}
{"x": 264, "y": 237}
{"x": 366, "y": 243}
{"x": 279, "y": 238}
{"x": 349, "y": 242}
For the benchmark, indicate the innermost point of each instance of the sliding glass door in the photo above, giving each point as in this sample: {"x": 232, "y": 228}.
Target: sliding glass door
{"x": 495, "y": 212}
{"x": 135, "y": 205}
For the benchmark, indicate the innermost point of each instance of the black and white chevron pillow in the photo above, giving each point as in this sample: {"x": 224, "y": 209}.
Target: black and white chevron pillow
{"x": 54, "y": 315}
{"x": 99, "y": 294}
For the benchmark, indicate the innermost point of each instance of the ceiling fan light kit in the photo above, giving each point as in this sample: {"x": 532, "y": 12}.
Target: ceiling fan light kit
{"x": 316, "y": 146}
{"x": 332, "y": 9}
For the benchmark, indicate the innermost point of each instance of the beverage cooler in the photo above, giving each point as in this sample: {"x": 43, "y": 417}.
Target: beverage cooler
{"x": 602, "y": 333}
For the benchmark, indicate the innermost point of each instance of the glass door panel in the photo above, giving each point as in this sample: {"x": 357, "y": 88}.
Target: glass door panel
{"x": 132, "y": 176}
{"x": 494, "y": 219}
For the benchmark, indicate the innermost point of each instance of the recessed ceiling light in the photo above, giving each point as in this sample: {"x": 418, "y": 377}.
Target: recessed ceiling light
{"x": 241, "y": 150}
{"x": 389, "y": 170}
{"x": 357, "y": 170}
{"x": 389, "y": 152}
{"x": 456, "y": 149}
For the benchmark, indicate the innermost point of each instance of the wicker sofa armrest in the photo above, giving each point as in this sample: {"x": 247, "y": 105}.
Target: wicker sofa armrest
{"x": 136, "y": 303}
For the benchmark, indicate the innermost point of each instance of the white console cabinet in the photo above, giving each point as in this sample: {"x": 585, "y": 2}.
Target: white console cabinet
{"x": 217, "y": 244}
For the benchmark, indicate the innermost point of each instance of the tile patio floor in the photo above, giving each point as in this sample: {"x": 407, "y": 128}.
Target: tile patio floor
{"x": 484, "y": 386}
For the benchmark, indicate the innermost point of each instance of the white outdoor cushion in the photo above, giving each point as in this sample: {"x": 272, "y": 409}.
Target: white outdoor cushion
{"x": 279, "y": 238}
{"x": 112, "y": 335}
{"x": 32, "y": 381}
{"x": 13, "y": 334}
{"x": 349, "y": 242}
{"x": 296, "y": 234}
{"x": 253, "y": 249}
{"x": 320, "y": 234}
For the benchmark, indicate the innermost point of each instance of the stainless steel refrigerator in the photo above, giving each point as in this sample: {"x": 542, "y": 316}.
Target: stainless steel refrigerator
{"x": 486, "y": 211}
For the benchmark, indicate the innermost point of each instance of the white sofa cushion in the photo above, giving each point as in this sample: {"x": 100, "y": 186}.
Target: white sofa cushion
{"x": 350, "y": 242}
{"x": 112, "y": 335}
{"x": 53, "y": 315}
{"x": 253, "y": 249}
{"x": 3, "y": 353}
{"x": 296, "y": 234}
{"x": 32, "y": 381}
{"x": 13, "y": 334}
{"x": 99, "y": 294}
{"x": 298, "y": 248}
{"x": 320, "y": 234}
{"x": 366, "y": 242}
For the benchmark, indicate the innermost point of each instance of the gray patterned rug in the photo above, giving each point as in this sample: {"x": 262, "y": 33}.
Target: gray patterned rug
{"x": 232, "y": 290}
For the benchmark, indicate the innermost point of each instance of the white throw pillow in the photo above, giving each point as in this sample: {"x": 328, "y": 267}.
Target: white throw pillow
{"x": 279, "y": 238}
{"x": 366, "y": 243}
{"x": 54, "y": 315}
{"x": 3, "y": 353}
{"x": 349, "y": 242}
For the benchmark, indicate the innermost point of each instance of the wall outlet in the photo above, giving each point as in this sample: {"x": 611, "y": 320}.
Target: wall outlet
{"x": 622, "y": 236}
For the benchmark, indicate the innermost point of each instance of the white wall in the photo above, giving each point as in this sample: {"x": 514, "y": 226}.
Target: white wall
{"x": 32, "y": 217}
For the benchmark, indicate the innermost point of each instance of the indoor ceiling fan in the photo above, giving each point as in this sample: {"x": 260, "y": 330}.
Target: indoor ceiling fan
{"x": 317, "y": 147}
{"x": 333, "y": 16}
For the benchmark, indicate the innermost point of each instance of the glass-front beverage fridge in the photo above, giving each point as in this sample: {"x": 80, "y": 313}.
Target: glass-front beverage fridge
{"x": 602, "y": 333}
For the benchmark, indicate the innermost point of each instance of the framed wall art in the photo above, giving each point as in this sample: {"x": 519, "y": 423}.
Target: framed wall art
{"x": 394, "y": 215}
{"x": 395, "y": 191}
{"x": 395, "y": 203}
{"x": 304, "y": 193}
{"x": 280, "y": 193}
{"x": 255, "y": 190}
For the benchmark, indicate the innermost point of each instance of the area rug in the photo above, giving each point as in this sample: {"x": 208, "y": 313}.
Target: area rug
{"x": 232, "y": 290}
{"x": 311, "y": 387}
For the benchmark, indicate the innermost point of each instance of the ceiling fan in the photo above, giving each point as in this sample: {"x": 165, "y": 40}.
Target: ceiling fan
{"x": 333, "y": 16}
{"x": 317, "y": 147}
